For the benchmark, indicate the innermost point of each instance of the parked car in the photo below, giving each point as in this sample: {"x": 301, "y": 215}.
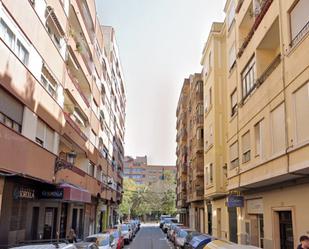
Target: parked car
{"x": 134, "y": 227}
{"x": 126, "y": 231}
{"x": 183, "y": 237}
{"x": 221, "y": 244}
{"x": 162, "y": 218}
{"x": 171, "y": 230}
{"x": 46, "y": 246}
{"x": 86, "y": 245}
{"x": 102, "y": 240}
{"x": 198, "y": 242}
{"x": 167, "y": 223}
{"x": 117, "y": 237}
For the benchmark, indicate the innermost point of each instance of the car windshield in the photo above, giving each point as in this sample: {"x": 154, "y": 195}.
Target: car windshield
{"x": 182, "y": 234}
{"x": 124, "y": 227}
{"x": 91, "y": 239}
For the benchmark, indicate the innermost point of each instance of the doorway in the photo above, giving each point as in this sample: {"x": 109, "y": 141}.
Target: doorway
{"x": 219, "y": 222}
{"x": 260, "y": 221}
{"x": 233, "y": 224}
{"x": 35, "y": 223}
{"x": 286, "y": 229}
{"x": 50, "y": 223}
{"x": 209, "y": 218}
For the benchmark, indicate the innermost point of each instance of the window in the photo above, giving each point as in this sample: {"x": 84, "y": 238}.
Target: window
{"x": 211, "y": 139}
{"x": 234, "y": 104}
{"x": 200, "y": 134}
{"x": 248, "y": 78}
{"x": 48, "y": 82}
{"x": 93, "y": 137}
{"x": 234, "y": 159}
{"x": 258, "y": 138}
{"x": 15, "y": 44}
{"x": 91, "y": 169}
{"x": 7, "y": 34}
{"x": 299, "y": 20}
{"x": 278, "y": 129}
{"x": 232, "y": 56}
{"x": 210, "y": 60}
{"x": 22, "y": 52}
{"x": 44, "y": 135}
{"x": 209, "y": 174}
{"x": 210, "y": 97}
{"x": 231, "y": 14}
{"x": 11, "y": 111}
{"x": 301, "y": 103}
{"x": 246, "y": 151}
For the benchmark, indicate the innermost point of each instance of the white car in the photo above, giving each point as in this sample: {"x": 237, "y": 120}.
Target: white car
{"x": 127, "y": 232}
{"x": 102, "y": 240}
{"x": 47, "y": 246}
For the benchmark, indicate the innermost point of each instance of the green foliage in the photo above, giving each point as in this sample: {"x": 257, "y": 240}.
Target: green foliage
{"x": 159, "y": 197}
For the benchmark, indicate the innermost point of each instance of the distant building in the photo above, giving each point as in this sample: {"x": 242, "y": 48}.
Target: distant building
{"x": 138, "y": 170}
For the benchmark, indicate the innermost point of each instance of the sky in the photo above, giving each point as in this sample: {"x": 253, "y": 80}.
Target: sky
{"x": 160, "y": 43}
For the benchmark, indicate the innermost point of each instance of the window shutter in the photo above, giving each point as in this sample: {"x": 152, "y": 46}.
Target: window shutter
{"x": 49, "y": 139}
{"x": 234, "y": 151}
{"x": 10, "y": 107}
{"x": 246, "y": 142}
{"x": 299, "y": 17}
{"x": 40, "y": 127}
{"x": 278, "y": 129}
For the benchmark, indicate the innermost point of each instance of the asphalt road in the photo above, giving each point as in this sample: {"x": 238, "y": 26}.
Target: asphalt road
{"x": 150, "y": 236}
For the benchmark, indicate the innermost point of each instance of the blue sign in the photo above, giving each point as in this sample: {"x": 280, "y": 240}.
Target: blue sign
{"x": 235, "y": 201}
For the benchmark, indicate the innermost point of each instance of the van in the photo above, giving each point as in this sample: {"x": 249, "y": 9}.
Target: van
{"x": 221, "y": 244}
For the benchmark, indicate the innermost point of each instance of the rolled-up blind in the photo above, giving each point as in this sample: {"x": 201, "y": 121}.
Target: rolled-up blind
{"x": 246, "y": 142}
{"x": 234, "y": 151}
{"x": 11, "y": 107}
{"x": 299, "y": 17}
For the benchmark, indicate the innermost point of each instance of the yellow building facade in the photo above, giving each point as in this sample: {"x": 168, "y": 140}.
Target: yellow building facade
{"x": 268, "y": 119}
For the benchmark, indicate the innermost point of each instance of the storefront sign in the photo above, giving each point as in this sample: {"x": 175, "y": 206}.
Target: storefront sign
{"x": 24, "y": 193}
{"x": 51, "y": 194}
{"x": 255, "y": 206}
{"x": 182, "y": 210}
{"x": 235, "y": 201}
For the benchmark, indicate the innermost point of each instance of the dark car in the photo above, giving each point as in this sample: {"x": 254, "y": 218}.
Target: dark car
{"x": 184, "y": 236}
{"x": 198, "y": 242}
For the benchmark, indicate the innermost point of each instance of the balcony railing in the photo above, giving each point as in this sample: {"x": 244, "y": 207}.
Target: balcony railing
{"x": 258, "y": 20}
{"x": 75, "y": 126}
{"x": 275, "y": 63}
{"x": 300, "y": 35}
{"x": 76, "y": 84}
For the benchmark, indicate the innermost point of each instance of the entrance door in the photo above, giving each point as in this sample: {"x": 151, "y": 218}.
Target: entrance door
{"x": 74, "y": 219}
{"x": 219, "y": 222}
{"x": 50, "y": 223}
{"x": 35, "y": 223}
{"x": 261, "y": 229}
{"x": 286, "y": 230}
{"x": 233, "y": 224}
{"x": 81, "y": 224}
{"x": 63, "y": 220}
{"x": 209, "y": 219}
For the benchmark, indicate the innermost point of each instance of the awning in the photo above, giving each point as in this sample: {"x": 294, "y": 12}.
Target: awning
{"x": 74, "y": 193}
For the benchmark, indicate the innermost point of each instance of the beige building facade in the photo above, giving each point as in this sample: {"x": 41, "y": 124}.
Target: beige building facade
{"x": 256, "y": 124}
{"x": 62, "y": 113}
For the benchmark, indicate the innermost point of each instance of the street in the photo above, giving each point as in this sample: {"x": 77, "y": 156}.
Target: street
{"x": 150, "y": 237}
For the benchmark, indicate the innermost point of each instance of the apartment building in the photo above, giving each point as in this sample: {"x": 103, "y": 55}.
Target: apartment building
{"x": 215, "y": 123}
{"x": 190, "y": 152}
{"x": 141, "y": 172}
{"x": 182, "y": 153}
{"x": 268, "y": 125}
{"x": 62, "y": 114}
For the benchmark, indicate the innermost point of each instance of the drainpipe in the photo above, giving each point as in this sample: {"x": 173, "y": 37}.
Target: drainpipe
{"x": 287, "y": 146}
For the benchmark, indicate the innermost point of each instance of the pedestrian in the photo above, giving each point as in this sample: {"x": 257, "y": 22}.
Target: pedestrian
{"x": 304, "y": 242}
{"x": 72, "y": 236}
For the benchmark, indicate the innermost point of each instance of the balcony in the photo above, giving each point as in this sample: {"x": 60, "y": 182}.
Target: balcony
{"x": 250, "y": 24}
{"x": 69, "y": 173}
{"x": 30, "y": 157}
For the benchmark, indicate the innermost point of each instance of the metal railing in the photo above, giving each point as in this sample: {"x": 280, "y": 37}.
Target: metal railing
{"x": 300, "y": 35}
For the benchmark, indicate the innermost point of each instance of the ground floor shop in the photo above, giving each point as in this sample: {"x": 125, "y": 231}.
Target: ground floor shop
{"x": 274, "y": 218}
{"x": 197, "y": 216}
{"x": 32, "y": 210}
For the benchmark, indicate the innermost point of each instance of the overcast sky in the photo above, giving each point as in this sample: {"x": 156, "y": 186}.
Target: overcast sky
{"x": 160, "y": 43}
